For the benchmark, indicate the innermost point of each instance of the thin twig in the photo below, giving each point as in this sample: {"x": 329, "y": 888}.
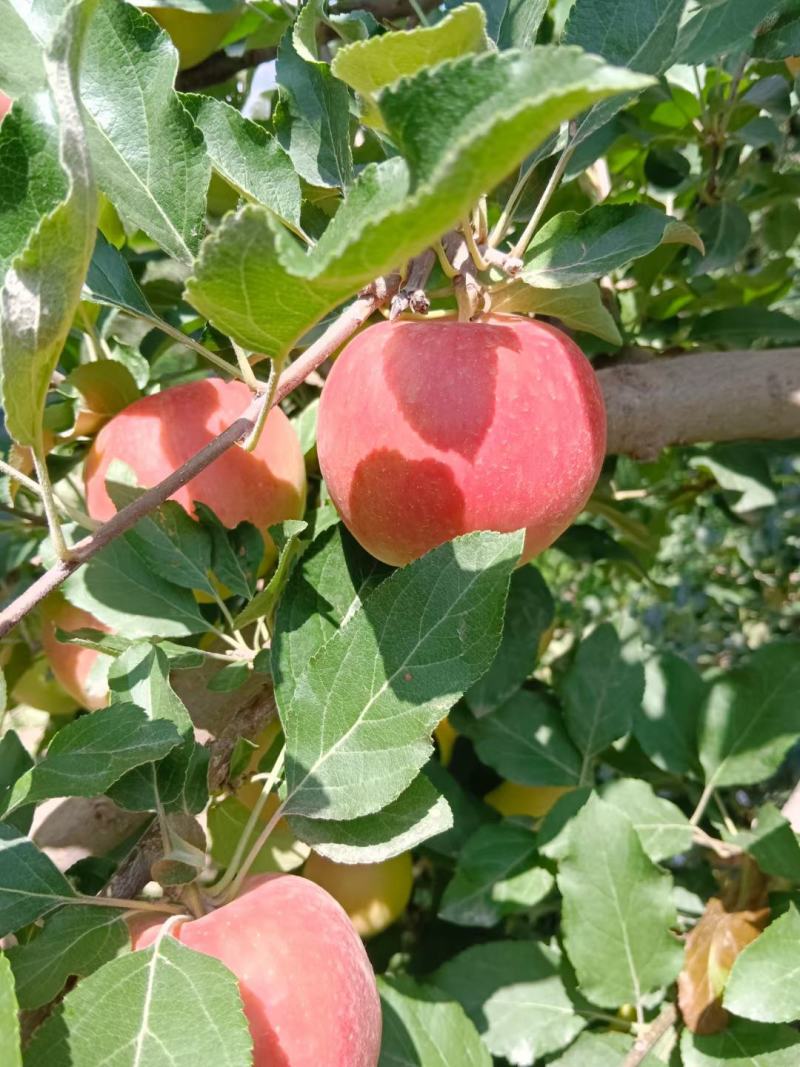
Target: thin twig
{"x": 652, "y": 1035}
{"x": 267, "y": 402}
{"x": 412, "y": 295}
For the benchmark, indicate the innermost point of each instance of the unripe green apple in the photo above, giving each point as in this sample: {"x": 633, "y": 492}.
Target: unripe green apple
{"x": 374, "y": 895}
{"x": 535, "y": 800}
{"x": 432, "y": 429}
{"x": 157, "y": 433}
{"x": 71, "y": 664}
{"x": 195, "y": 34}
{"x": 38, "y": 688}
{"x": 307, "y": 985}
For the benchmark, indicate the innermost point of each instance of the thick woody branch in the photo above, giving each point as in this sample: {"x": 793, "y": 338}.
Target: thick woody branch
{"x": 219, "y": 67}
{"x": 705, "y": 396}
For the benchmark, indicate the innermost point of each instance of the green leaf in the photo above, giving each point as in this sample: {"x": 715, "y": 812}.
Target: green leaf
{"x": 518, "y": 24}
{"x": 469, "y": 813}
{"x": 141, "y": 675}
{"x": 662, "y": 827}
{"x": 42, "y": 287}
{"x": 21, "y": 60}
{"x": 573, "y": 249}
{"x": 173, "y": 545}
{"x": 780, "y": 42}
{"x": 74, "y": 942}
{"x": 422, "y": 1029}
{"x": 529, "y": 612}
{"x": 741, "y": 469}
{"x": 263, "y": 603}
{"x": 524, "y": 740}
{"x": 248, "y": 157}
{"x": 34, "y": 182}
{"x": 725, "y": 230}
{"x": 617, "y": 910}
{"x": 666, "y": 726}
{"x": 236, "y": 555}
{"x": 742, "y": 1044}
{"x": 30, "y": 883}
{"x": 104, "y": 387}
{"x": 763, "y": 983}
{"x": 314, "y": 121}
{"x": 368, "y": 66}
{"x": 462, "y": 127}
{"x": 554, "y": 829}
{"x": 148, "y": 155}
{"x": 743, "y": 327}
{"x": 514, "y": 993}
{"x": 417, "y": 814}
{"x": 749, "y": 720}
{"x": 497, "y": 874}
{"x": 580, "y": 307}
{"x": 89, "y": 754}
{"x": 601, "y": 1050}
{"x": 327, "y": 586}
{"x": 717, "y": 29}
{"x": 109, "y": 281}
{"x": 171, "y": 1007}
{"x": 365, "y": 707}
{"x": 10, "y": 1050}
{"x": 602, "y": 693}
{"x": 15, "y": 760}
{"x": 773, "y": 844}
{"x": 123, "y": 592}
{"x": 628, "y": 33}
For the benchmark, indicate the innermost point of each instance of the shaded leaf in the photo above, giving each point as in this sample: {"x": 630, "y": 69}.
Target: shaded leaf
{"x": 742, "y": 1044}
{"x": 749, "y": 720}
{"x": 89, "y": 754}
{"x": 417, "y": 814}
{"x": 529, "y": 612}
{"x": 10, "y": 1050}
{"x": 248, "y": 157}
{"x": 580, "y": 307}
{"x": 524, "y": 740}
{"x": 573, "y": 249}
{"x": 30, "y": 883}
{"x": 498, "y": 873}
{"x": 617, "y": 910}
{"x": 74, "y": 941}
{"x": 666, "y": 726}
{"x": 422, "y": 1027}
{"x": 514, "y": 993}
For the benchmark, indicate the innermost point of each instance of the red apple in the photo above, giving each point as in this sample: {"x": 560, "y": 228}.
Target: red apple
{"x": 5, "y": 105}
{"x": 428, "y": 430}
{"x": 307, "y": 985}
{"x": 158, "y": 433}
{"x": 72, "y": 664}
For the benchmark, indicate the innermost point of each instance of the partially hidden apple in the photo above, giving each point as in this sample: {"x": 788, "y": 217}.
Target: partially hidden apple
{"x": 195, "y": 34}
{"x": 372, "y": 894}
{"x": 428, "y": 430}
{"x": 308, "y": 988}
{"x": 5, "y": 105}
{"x": 156, "y": 434}
{"x": 509, "y": 798}
{"x": 71, "y": 664}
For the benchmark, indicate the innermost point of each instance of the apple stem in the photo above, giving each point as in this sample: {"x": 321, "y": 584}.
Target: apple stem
{"x": 49, "y": 502}
{"x": 266, "y": 403}
{"x": 252, "y": 855}
{"x": 127, "y": 905}
{"x": 521, "y": 246}
{"x": 248, "y": 375}
{"x": 236, "y": 865}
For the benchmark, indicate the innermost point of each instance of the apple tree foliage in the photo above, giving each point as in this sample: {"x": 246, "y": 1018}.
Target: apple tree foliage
{"x": 648, "y": 664}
